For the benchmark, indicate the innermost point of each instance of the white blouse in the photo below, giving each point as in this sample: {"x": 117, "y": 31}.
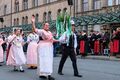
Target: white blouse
{"x": 32, "y": 37}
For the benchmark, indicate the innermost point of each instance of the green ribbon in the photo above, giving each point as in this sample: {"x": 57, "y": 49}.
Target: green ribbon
{"x": 63, "y": 24}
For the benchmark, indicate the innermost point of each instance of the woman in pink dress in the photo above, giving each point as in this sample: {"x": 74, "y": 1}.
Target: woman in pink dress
{"x": 32, "y": 40}
{"x": 16, "y": 55}
{"x": 45, "y": 51}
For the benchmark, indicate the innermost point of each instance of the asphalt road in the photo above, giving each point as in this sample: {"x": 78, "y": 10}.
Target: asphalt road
{"x": 90, "y": 69}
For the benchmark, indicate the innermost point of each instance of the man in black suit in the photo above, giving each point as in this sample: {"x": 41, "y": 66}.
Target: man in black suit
{"x": 68, "y": 49}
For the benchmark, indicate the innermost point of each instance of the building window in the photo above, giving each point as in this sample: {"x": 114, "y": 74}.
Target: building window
{"x": 85, "y": 5}
{"x": 44, "y": 17}
{"x": 14, "y": 22}
{"x": 49, "y": 16}
{"x": 113, "y": 2}
{"x": 5, "y": 9}
{"x": 44, "y": 1}
{"x": 17, "y": 23}
{"x": 23, "y": 20}
{"x": 26, "y": 20}
{"x": 59, "y": 11}
{"x": 34, "y": 3}
{"x": 117, "y": 2}
{"x": 77, "y": 6}
{"x": 110, "y": 2}
{"x": 37, "y": 17}
{"x": 4, "y": 26}
{"x": 97, "y": 4}
{"x": 65, "y": 10}
{"x": 16, "y": 5}
{"x": 48, "y": 1}
{"x": 25, "y": 4}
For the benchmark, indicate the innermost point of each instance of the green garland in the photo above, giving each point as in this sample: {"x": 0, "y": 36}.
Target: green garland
{"x": 63, "y": 24}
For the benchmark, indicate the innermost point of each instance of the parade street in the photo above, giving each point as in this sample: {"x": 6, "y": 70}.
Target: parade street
{"x": 90, "y": 69}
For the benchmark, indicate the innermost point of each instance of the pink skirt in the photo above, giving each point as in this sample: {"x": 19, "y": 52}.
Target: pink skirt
{"x": 32, "y": 54}
{"x": 11, "y": 59}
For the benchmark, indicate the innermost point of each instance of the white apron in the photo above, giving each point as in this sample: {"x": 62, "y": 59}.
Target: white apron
{"x": 45, "y": 53}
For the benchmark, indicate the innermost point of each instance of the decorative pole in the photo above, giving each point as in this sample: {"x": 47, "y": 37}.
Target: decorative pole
{"x": 11, "y": 12}
{"x": 70, "y": 3}
{"x": 70, "y": 9}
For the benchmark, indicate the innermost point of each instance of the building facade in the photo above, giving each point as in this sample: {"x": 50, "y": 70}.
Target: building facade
{"x": 95, "y": 8}
{"x": 19, "y": 12}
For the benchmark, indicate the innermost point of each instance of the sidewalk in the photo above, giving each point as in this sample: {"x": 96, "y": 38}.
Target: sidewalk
{"x": 111, "y": 58}
{"x": 95, "y": 57}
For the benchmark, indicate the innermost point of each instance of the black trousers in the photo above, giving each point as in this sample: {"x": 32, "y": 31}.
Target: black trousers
{"x": 68, "y": 51}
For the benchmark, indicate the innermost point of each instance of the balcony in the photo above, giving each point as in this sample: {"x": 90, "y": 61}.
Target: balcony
{"x": 108, "y": 9}
{"x": 28, "y": 27}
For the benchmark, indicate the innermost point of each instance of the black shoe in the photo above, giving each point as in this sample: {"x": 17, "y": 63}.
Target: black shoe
{"x": 15, "y": 69}
{"x": 51, "y": 78}
{"x": 22, "y": 71}
{"x": 60, "y": 73}
{"x": 0, "y": 65}
{"x": 78, "y": 75}
{"x": 34, "y": 68}
{"x": 29, "y": 67}
{"x": 43, "y": 77}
